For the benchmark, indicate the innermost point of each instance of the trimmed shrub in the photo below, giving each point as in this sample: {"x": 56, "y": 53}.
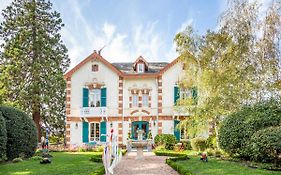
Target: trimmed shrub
{"x": 168, "y": 140}
{"x": 21, "y": 133}
{"x": 3, "y": 138}
{"x": 266, "y": 145}
{"x": 237, "y": 129}
{"x": 16, "y": 160}
{"x": 199, "y": 144}
{"x": 169, "y": 153}
{"x": 212, "y": 142}
{"x": 186, "y": 144}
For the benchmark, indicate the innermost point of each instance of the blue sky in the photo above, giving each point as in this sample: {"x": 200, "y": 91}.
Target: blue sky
{"x": 130, "y": 28}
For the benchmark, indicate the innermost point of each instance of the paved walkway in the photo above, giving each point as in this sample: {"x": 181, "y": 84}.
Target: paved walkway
{"x": 151, "y": 165}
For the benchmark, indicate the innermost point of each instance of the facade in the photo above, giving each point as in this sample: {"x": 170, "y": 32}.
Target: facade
{"x": 102, "y": 96}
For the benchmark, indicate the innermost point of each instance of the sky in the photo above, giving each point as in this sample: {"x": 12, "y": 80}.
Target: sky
{"x": 130, "y": 28}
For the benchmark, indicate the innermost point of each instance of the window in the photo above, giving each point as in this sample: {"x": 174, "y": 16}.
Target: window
{"x": 94, "y": 132}
{"x": 185, "y": 94}
{"x": 145, "y": 100}
{"x": 95, "y": 68}
{"x": 94, "y": 98}
{"x": 135, "y": 100}
{"x": 140, "y": 68}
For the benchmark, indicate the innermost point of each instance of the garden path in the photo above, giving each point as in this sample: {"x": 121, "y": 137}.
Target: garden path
{"x": 151, "y": 165}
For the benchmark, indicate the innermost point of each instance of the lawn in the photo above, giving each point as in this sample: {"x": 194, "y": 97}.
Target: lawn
{"x": 219, "y": 167}
{"x": 62, "y": 163}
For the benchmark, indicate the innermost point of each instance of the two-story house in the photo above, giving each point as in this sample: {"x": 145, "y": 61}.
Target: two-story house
{"x": 125, "y": 97}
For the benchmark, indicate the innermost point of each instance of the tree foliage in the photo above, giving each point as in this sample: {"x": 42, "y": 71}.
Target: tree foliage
{"x": 33, "y": 61}
{"x": 235, "y": 65}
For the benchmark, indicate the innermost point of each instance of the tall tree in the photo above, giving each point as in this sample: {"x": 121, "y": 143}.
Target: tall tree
{"x": 33, "y": 61}
{"x": 236, "y": 65}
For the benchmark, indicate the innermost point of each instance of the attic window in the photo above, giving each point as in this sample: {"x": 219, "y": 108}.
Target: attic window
{"x": 140, "y": 68}
{"x": 95, "y": 68}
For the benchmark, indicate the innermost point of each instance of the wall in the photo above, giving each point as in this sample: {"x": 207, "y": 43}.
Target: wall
{"x": 84, "y": 75}
{"x": 169, "y": 79}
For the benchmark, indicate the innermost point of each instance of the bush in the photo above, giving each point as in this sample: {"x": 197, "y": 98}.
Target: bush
{"x": 21, "y": 133}
{"x": 237, "y": 129}
{"x": 266, "y": 145}
{"x": 212, "y": 142}
{"x": 96, "y": 158}
{"x": 186, "y": 144}
{"x": 199, "y": 144}
{"x": 168, "y": 140}
{"x": 169, "y": 153}
{"x": 3, "y": 138}
{"x": 16, "y": 160}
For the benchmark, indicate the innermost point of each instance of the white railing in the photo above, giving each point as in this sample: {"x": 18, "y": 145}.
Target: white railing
{"x": 94, "y": 112}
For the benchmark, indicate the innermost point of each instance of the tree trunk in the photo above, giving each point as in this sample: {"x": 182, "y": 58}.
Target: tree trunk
{"x": 36, "y": 118}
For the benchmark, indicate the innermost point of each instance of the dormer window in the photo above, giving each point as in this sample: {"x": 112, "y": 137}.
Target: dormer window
{"x": 140, "y": 68}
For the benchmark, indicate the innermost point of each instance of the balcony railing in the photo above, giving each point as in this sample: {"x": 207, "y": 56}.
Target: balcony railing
{"x": 94, "y": 112}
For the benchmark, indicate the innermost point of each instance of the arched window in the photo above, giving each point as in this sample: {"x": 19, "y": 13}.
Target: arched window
{"x": 95, "y": 68}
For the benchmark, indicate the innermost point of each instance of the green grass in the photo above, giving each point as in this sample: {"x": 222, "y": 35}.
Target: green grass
{"x": 62, "y": 163}
{"x": 219, "y": 167}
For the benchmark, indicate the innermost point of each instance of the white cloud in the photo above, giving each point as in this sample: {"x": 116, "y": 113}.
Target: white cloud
{"x": 108, "y": 29}
{"x": 184, "y": 25}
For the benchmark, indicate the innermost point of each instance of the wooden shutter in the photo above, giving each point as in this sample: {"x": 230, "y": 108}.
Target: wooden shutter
{"x": 176, "y": 130}
{"x": 103, "y": 131}
{"x": 194, "y": 93}
{"x": 176, "y": 94}
{"x": 85, "y": 132}
{"x": 85, "y": 97}
{"x": 103, "y": 97}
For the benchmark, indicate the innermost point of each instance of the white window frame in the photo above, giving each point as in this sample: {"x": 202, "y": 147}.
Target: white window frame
{"x": 185, "y": 94}
{"x": 95, "y": 138}
{"x": 140, "y": 67}
{"x": 95, "y": 97}
{"x": 145, "y": 100}
{"x": 135, "y": 100}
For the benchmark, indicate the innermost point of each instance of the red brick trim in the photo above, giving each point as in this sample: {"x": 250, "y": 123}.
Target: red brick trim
{"x": 93, "y": 56}
{"x": 145, "y": 111}
{"x": 133, "y": 112}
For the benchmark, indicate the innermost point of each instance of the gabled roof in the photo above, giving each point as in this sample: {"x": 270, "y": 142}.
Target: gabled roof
{"x": 140, "y": 58}
{"x": 125, "y": 70}
{"x": 93, "y": 56}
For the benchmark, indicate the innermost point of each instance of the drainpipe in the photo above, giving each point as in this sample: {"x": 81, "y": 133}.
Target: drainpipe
{"x": 157, "y": 126}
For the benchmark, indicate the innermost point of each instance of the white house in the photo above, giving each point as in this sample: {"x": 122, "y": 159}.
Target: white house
{"x": 102, "y": 96}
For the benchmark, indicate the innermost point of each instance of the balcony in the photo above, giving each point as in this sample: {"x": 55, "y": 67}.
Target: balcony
{"x": 94, "y": 112}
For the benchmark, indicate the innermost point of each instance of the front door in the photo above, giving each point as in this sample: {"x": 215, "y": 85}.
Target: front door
{"x": 139, "y": 125}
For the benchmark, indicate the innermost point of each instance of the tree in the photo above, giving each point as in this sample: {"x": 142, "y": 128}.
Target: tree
{"x": 33, "y": 61}
{"x": 234, "y": 65}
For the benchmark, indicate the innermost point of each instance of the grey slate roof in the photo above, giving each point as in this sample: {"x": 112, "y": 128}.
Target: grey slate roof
{"x": 153, "y": 67}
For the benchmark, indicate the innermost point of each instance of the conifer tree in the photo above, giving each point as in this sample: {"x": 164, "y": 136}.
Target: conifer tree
{"x": 33, "y": 61}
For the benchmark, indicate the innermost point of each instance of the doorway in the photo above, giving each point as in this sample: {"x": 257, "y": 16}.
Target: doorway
{"x": 139, "y": 125}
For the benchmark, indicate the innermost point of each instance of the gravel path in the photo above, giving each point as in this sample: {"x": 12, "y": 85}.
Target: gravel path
{"x": 151, "y": 165}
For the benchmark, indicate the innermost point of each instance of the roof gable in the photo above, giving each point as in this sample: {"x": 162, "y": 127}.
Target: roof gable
{"x": 93, "y": 56}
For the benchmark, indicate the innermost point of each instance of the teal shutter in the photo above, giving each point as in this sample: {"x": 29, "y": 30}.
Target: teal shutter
{"x": 176, "y": 130}
{"x": 103, "y": 131}
{"x": 194, "y": 94}
{"x": 103, "y": 97}
{"x": 85, "y": 97}
{"x": 176, "y": 94}
{"x": 85, "y": 132}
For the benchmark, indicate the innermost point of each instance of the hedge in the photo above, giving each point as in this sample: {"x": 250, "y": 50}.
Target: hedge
{"x": 168, "y": 140}
{"x": 266, "y": 145}
{"x": 199, "y": 143}
{"x": 3, "y": 138}
{"x": 237, "y": 129}
{"x": 172, "y": 163}
{"x": 168, "y": 153}
{"x": 21, "y": 133}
